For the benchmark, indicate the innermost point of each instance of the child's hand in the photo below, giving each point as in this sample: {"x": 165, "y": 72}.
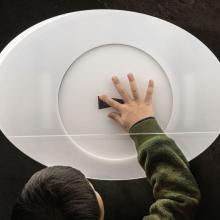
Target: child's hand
{"x": 134, "y": 109}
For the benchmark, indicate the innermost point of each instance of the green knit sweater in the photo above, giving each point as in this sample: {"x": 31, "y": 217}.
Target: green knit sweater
{"x": 175, "y": 190}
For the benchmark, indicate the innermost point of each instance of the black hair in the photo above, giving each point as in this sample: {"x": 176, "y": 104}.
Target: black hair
{"x": 57, "y": 193}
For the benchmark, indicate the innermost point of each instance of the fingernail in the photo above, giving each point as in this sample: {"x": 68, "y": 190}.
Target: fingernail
{"x": 114, "y": 78}
{"x": 130, "y": 76}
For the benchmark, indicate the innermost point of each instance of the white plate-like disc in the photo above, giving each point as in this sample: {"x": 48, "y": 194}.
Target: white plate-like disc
{"x": 52, "y": 74}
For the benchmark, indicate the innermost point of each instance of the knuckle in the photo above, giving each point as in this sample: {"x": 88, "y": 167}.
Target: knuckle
{"x": 134, "y": 91}
{"x": 150, "y": 92}
{"x": 123, "y": 107}
{"x": 120, "y": 89}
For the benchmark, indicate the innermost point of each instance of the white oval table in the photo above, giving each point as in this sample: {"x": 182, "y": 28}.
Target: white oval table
{"x": 52, "y": 74}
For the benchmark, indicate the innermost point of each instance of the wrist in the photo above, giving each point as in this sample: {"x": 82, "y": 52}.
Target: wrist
{"x": 145, "y": 129}
{"x": 140, "y": 120}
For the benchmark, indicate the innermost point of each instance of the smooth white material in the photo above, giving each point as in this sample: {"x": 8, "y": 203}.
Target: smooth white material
{"x": 90, "y": 76}
{"x": 51, "y": 75}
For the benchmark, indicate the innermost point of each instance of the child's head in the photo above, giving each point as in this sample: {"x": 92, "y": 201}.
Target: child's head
{"x": 58, "y": 193}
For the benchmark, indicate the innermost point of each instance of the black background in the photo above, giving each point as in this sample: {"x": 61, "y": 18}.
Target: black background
{"x": 123, "y": 199}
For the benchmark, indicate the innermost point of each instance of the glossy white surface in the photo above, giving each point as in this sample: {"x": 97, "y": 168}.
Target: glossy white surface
{"x": 51, "y": 75}
{"x": 90, "y": 76}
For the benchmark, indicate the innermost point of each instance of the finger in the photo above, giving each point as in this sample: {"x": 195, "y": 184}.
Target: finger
{"x": 133, "y": 86}
{"x": 149, "y": 94}
{"x": 111, "y": 102}
{"x": 121, "y": 90}
{"x": 115, "y": 116}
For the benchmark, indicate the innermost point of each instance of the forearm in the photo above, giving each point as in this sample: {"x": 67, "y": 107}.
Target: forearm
{"x": 175, "y": 189}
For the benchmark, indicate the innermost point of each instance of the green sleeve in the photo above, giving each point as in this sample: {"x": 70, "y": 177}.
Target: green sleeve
{"x": 175, "y": 190}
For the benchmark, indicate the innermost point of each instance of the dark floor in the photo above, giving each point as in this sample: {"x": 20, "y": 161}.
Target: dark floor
{"x": 123, "y": 199}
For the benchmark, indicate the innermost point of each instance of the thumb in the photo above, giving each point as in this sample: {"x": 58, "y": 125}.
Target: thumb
{"x": 115, "y": 116}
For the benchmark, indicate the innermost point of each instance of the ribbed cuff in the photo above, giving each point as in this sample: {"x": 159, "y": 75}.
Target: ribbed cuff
{"x": 146, "y": 125}
{"x": 145, "y": 118}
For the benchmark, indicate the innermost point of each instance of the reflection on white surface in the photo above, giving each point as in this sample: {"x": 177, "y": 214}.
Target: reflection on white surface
{"x": 188, "y": 102}
{"x": 45, "y": 83}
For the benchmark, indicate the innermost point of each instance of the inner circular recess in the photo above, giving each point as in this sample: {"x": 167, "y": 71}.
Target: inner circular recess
{"x": 89, "y": 77}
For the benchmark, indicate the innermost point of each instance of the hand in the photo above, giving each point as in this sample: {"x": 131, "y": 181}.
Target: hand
{"x": 133, "y": 109}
